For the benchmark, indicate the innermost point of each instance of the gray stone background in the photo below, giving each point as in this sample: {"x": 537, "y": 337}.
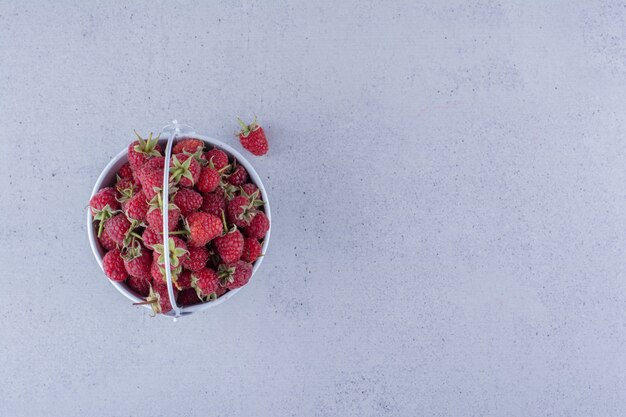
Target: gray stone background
{"x": 447, "y": 181}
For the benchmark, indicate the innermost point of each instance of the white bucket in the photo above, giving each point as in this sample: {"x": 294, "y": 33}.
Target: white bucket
{"x": 107, "y": 178}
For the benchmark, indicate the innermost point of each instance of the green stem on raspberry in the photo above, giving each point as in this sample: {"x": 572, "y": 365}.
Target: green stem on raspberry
{"x": 100, "y": 228}
{"x": 224, "y": 222}
{"x": 244, "y": 127}
{"x": 178, "y": 232}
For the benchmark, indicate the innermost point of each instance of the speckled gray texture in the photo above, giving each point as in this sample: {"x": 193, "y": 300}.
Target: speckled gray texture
{"x": 448, "y": 190}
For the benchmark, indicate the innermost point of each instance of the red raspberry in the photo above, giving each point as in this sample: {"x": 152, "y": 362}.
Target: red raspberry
{"x": 184, "y": 170}
{"x": 117, "y": 227}
{"x": 125, "y": 171}
{"x": 137, "y": 207}
{"x": 141, "y": 150}
{"x": 140, "y": 286}
{"x": 155, "y": 219}
{"x": 218, "y": 157}
{"x": 213, "y": 203}
{"x": 125, "y": 186}
{"x": 208, "y": 181}
{"x": 155, "y": 270}
{"x": 187, "y": 200}
{"x": 197, "y": 258}
{"x": 183, "y": 280}
{"x": 105, "y": 197}
{"x": 106, "y": 242}
{"x": 151, "y": 182}
{"x": 203, "y": 227}
{"x": 188, "y": 145}
{"x": 206, "y": 282}
{"x": 221, "y": 191}
{"x": 188, "y": 297}
{"x": 113, "y": 266}
{"x": 251, "y": 250}
{"x": 177, "y": 254}
{"x": 137, "y": 261}
{"x": 151, "y": 237}
{"x": 137, "y": 176}
{"x": 228, "y": 190}
{"x": 240, "y": 211}
{"x": 248, "y": 189}
{"x": 154, "y": 164}
{"x": 234, "y": 276}
{"x": 259, "y": 225}
{"x": 159, "y": 299}
{"x": 239, "y": 176}
{"x": 221, "y": 291}
{"x": 230, "y": 246}
{"x": 253, "y": 138}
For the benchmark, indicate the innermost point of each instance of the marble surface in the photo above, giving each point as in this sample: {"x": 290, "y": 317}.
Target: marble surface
{"x": 448, "y": 191}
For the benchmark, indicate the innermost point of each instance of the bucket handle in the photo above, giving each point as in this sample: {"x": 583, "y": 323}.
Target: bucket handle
{"x": 173, "y": 130}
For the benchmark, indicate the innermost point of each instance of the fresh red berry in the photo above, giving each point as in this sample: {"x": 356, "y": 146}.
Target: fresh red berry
{"x": 187, "y": 200}
{"x": 117, "y": 227}
{"x": 252, "y": 138}
{"x": 156, "y": 163}
{"x": 234, "y": 276}
{"x": 125, "y": 185}
{"x": 183, "y": 280}
{"x": 188, "y": 145}
{"x": 106, "y": 242}
{"x": 259, "y": 225}
{"x": 151, "y": 237}
{"x": 248, "y": 189}
{"x": 184, "y": 170}
{"x": 218, "y": 157}
{"x": 178, "y": 250}
{"x": 227, "y": 190}
{"x": 141, "y": 150}
{"x": 155, "y": 219}
{"x": 151, "y": 182}
{"x": 141, "y": 286}
{"x": 125, "y": 171}
{"x": 113, "y": 266}
{"x": 137, "y": 261}
{"x": 156, "y": 270}
{"x": 137, "y": 207}
{"x": 251, "y": 250}
{"x": 159, "y": 298}
{"x": 137, "y": 176}
{"x": 177, "y": 254}
{"x": 188, "y": 297}
{"x": 197, "y": 258}
{"x": 105, "y": 197}
{"x": 221, "y": 291}
{"x": 209, "y": 180}
{"x": 206, "y": 282}
{"x": 203, "y": 227}
{"x": 239, "y": 176}
{"x": 240, "y": 211}
{"x": 230, "y": 246}
{"x": 213, "y": 203}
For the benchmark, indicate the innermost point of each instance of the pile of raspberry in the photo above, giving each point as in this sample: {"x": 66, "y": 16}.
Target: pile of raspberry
{"x": 216, "y": 223}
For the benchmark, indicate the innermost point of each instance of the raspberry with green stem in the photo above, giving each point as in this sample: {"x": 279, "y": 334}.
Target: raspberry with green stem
{"x": 177, "y": 250}
{"x": 154, "y": 216}
{"x": 185, "y": 170}
{"x": 102, "y": 216}
{"x": 158, "y": 299}
{"x": 142, "y": 150}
